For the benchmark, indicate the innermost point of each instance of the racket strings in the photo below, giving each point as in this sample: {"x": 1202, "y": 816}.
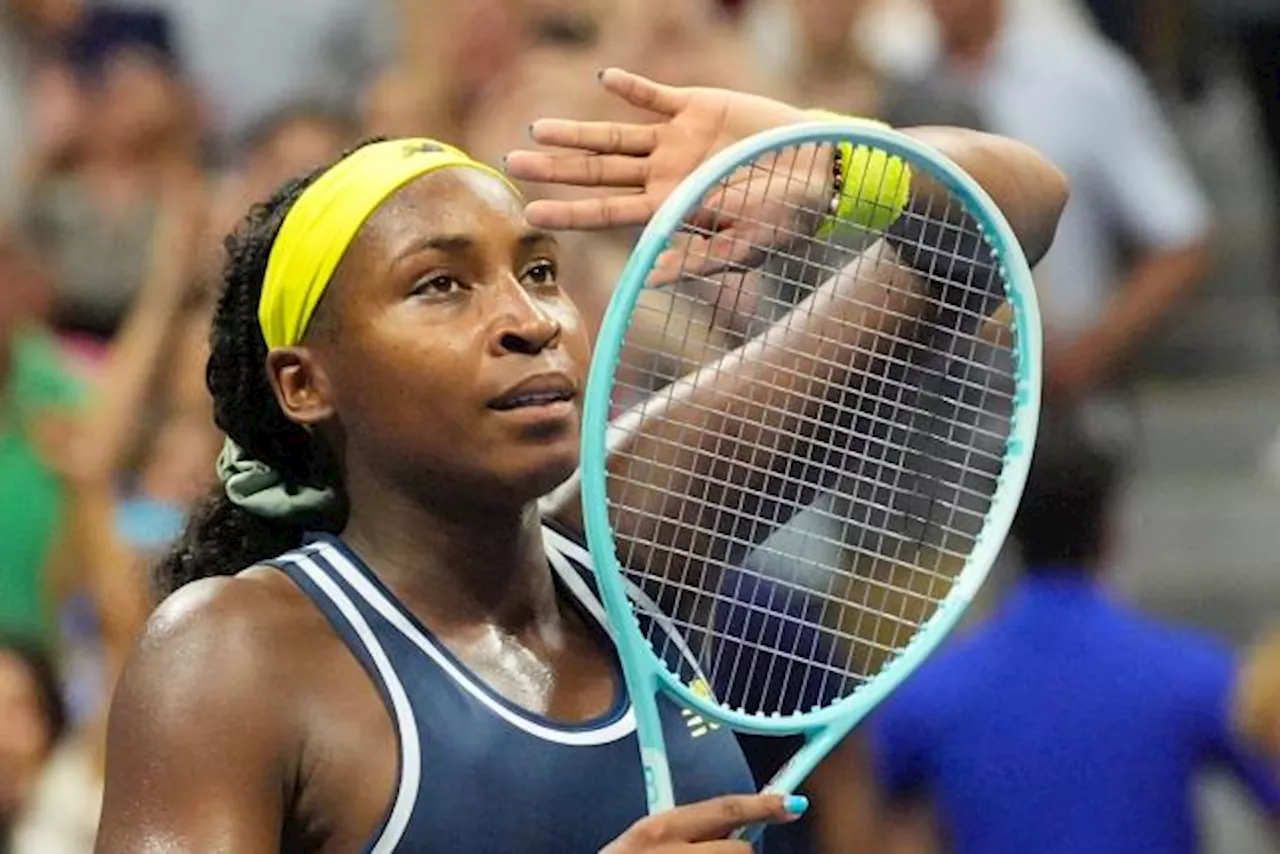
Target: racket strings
{"x": 799, "y": 572}
{"x": 662, "y": 378}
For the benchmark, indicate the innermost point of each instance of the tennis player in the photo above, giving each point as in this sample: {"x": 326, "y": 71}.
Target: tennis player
{"x": 378, "y": 638}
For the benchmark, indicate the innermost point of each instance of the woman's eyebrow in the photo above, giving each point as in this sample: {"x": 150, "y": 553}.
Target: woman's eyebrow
{"x": 457, "y": 244}
{"x": 454, "y": 244}
{"x": 534, "y": 237}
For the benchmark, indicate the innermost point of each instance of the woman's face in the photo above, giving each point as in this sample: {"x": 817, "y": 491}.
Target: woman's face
{"x": 447, "y": 353}
{"x": 294, "y": 149}
{"x": 965, "y": 24}
{"x": 136, "y": 99}
{"x": 826, "y": 24}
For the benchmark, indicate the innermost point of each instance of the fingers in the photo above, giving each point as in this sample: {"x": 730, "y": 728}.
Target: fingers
{"x": 730, "y": 250}
{"x": 590, "y": 214}
{"x": 718, "y": 818}
{"x": 710, "y": 821}
{"x": 582, "y": 170}
{"x": 628, "y": 845}
{"x": 600, "y": 137}
{"x": 643, "y": 92}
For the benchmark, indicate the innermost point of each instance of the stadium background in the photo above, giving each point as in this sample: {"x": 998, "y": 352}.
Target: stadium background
{"x": 133, "y": 133}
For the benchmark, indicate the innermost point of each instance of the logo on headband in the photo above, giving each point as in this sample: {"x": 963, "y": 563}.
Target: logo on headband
{"x": 412, "y": 148}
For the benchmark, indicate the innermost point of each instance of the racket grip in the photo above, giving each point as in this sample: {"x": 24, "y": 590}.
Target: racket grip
{"x": 657, "y": 780}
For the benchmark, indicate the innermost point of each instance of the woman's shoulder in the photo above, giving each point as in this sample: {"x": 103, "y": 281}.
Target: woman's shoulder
{"x": 212, "y": 706}
{"x": 226, "y": 640}
{"x": 257, "y": 604}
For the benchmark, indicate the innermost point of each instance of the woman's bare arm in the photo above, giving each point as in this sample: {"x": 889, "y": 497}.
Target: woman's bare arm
{"x": 199, "y": 738}
{"x": 139, "y": 355}
{"x": 767, "y": 394}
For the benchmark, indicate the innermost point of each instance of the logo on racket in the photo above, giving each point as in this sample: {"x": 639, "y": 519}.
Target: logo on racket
{"x": 698, "y": 726}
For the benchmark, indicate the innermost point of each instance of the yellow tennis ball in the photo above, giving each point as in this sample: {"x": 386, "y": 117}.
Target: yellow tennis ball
{"x": 877, "y": 187}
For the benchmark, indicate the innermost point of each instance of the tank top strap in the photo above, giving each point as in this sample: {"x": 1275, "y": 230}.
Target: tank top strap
{"x": 312, "y": 568}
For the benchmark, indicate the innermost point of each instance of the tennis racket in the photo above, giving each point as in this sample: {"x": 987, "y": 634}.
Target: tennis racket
{"x": 843, "y": 400}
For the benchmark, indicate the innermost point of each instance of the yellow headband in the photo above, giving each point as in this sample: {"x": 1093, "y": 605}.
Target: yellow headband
{"x": 324, "y": 220}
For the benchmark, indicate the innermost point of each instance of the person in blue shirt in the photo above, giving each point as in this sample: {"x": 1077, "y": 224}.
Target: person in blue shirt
{"x": 1068, "y": 722}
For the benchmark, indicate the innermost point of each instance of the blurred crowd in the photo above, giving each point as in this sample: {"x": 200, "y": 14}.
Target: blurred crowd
{"x": 134, "y": 135}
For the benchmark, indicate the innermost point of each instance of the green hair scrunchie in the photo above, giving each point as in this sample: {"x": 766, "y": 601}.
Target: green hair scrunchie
{"x": 263, "y": 491}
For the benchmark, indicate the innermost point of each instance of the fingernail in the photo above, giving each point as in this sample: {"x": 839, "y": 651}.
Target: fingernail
{"x": 796, "y": 804}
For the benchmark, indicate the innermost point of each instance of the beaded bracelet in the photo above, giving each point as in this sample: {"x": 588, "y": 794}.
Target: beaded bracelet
{"x": 837, "y": 180}
{"x": 860, "y": 170}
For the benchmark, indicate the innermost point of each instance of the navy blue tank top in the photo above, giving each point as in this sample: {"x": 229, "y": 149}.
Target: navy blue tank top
{"x": 478, "y": 773}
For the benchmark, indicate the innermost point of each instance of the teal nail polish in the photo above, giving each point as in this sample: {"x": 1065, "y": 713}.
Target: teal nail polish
{"x": 796, "y": 804}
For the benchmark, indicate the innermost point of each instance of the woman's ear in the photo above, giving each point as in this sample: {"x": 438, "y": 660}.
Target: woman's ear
{"x": 301, "y": 385}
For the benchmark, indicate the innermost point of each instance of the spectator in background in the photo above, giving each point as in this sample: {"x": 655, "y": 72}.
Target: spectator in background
{"x": 292, "y": 141}
{"x": 15, "y": 74}
{"x": 1155, "y": 33}
{"x": 553, "y": 74}
{"x": 562, "y": 43}
{"x": 251, "y": 60}
{"x": 32, "y": 719}
{"x": 46, "y": 22}
{"x": 1121, "y": 21}
{"x": 813, "y": 46}
{"x": 285, "y": 144}
{"x": 135, "y": 163}
{"x": 1254, "y": 25}
{"x": 1257, "y": 706}
{"x": 473, "y": 51}
{"x": 683, "y": 43}
{"x": 149, "y": 438}
{"x": 1253, "y": 28}
{"x": 462, "y": 61}
{"x": 33, "y": 382}
{"x": 394, "y": 105}
{"x": 39, "y": 103}
{"x": 129, "y": 465}
{"x": 60, "y": 813}
{"x": 1132, "y": 243}
{"x": 1068, "y": 722}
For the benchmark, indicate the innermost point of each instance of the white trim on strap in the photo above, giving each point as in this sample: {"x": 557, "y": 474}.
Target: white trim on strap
{"x": 553, "y": 544}
{"x": 376, "y": 599}
{"x": 406, "y": 726}
{"x": 560, "y": 544}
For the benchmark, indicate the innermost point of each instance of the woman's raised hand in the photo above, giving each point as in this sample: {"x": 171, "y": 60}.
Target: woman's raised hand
{"x": 641, "y": 163}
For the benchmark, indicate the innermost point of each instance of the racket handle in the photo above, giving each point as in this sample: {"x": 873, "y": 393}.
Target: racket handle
{"x": 657, "y": 779}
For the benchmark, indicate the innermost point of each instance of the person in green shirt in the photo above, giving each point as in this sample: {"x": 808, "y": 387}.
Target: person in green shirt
{"x": 35, "y": 384}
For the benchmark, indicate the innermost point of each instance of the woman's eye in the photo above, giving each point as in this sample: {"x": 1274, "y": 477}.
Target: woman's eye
{"x": 540, "y": 274}
{"x": 436, "y": 286}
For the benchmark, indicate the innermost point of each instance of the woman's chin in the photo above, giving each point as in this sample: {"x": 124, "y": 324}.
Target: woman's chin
{"x": 547, "y": 475}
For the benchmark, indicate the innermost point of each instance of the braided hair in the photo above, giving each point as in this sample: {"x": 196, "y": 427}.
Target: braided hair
{"x": 221, "y": 537}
